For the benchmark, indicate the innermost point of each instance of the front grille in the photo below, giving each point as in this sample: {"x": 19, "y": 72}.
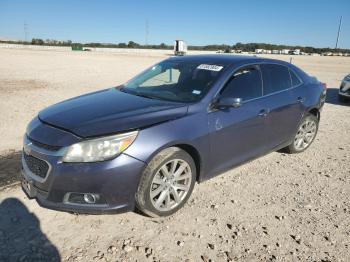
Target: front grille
{"x": 37, "y": 166}
{"x": 44, "y": 146}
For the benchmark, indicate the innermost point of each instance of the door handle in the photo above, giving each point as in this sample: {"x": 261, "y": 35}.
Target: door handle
{"x": 263, "y": 112}
{"x": 300, "y": 99}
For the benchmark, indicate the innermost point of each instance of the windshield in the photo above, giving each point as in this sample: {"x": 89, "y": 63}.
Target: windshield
{"x": 176, "y": 81}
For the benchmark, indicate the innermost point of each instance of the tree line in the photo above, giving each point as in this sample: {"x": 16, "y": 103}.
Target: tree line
{"x": 244, "y": 47}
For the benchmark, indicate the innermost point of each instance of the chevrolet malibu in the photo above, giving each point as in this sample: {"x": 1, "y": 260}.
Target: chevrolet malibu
{"x": 146, "y": 143}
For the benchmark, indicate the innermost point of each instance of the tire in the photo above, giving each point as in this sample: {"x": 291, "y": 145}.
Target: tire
{"x": 342, "y": 99}
{"x": 293, "y": 147}
{"x": 163, "y": 177}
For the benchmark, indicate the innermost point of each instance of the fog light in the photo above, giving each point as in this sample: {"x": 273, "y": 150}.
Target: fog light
{"x": 84, "y": 199}
{"x": 90, "y": 198}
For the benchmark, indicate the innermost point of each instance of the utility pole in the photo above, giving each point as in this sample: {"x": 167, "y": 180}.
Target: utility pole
{"x": 25, "y": 29}
{"x": 146, "y": 32}
{"x": 339, "y": 28}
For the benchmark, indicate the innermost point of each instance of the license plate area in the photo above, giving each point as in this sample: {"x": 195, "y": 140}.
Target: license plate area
{"x": 28, "y": 187}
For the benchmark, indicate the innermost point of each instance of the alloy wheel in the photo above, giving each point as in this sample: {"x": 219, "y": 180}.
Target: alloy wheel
{"x": 170, "y": 185}
{"x": 305, "y": 135}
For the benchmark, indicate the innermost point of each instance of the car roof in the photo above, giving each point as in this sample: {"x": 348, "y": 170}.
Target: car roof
{"x": 223, "y": 59}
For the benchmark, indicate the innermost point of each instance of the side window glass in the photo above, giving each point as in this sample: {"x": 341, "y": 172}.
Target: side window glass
{"x": 275, "y": 78}
{"x": 245, "y": 84}
{"x": 295, "y": 80}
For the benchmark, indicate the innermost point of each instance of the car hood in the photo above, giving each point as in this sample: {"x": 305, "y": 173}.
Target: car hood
{"x": 109, "y": 111}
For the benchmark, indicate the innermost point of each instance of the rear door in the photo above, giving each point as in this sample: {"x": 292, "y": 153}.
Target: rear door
{"x": 238, "y": 134}
{"x": 284, "y": 105}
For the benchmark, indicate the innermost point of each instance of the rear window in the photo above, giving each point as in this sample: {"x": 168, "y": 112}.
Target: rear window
{"x": 295, "y": 80}
{"x": 275, "y": 78}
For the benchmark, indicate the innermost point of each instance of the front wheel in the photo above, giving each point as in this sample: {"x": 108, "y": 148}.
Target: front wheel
{"x": 166, "y": 183}
{"x": 305, "y": 135}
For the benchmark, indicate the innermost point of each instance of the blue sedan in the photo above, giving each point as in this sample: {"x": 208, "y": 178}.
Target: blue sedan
{"x": 146, "y": 143}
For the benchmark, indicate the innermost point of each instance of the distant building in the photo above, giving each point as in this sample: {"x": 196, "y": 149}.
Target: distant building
{"x": 285, "y": 51}
{"x": 328, "y": 54}
{"x": 262, "y": 51}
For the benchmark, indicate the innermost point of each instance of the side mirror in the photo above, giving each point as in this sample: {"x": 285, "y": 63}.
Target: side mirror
{"x": 229, "y": 102}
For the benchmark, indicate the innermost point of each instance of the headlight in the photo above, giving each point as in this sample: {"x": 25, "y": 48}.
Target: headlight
{"x": 99, "y": 149}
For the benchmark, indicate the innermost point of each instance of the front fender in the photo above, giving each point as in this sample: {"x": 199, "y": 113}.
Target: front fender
{"x": 190, "y": 130}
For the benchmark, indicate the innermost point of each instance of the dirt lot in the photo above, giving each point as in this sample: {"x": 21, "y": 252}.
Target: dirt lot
{"x": 279, "y": 207}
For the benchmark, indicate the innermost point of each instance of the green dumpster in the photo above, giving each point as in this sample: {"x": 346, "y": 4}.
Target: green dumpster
{"x": 77, "y": 47}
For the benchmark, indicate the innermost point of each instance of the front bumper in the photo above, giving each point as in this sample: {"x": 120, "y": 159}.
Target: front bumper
{"x": 115, "y": 181}
{"x": 344, "y": 89}
{"x": 344, "y": 94}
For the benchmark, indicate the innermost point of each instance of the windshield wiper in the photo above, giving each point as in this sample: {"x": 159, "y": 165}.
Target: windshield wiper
{"x": 128, "y": 91}
{"x": 146, "y": 95}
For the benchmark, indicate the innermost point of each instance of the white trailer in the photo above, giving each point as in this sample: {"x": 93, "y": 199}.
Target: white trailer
{"x": 296, "y": 52}
{"x": 180, "y": 47}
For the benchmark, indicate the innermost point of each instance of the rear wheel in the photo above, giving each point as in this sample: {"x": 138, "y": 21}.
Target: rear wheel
{"x": 305, "y": 135}
{"x": 166, "y": 183}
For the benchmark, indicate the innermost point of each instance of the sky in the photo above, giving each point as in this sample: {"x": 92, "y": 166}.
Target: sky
{"x": 306, "y": 23}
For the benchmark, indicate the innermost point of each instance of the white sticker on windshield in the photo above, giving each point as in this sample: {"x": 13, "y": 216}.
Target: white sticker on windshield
{"x": 210, "y": 67}
{"x": 196, "y": 92}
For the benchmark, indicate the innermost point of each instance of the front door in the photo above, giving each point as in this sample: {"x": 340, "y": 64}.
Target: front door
{"x": 238, "y": 134}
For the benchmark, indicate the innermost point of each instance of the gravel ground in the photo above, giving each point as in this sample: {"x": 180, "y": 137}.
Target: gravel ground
{"x": 280, "y": 207}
